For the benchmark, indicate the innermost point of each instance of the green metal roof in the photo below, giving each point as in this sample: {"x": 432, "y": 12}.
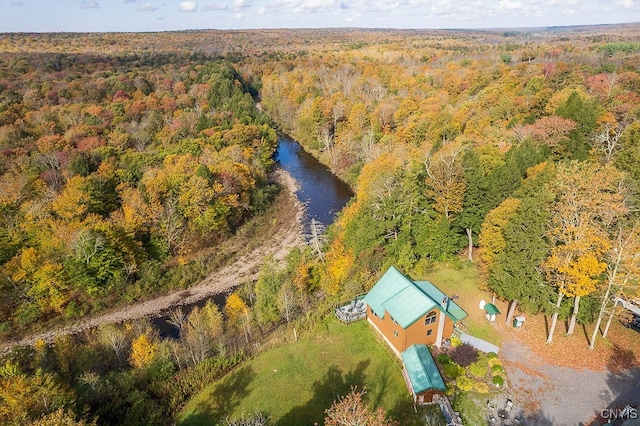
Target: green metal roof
{"x": 491, "y": 309}
{"x": 390, "y": 284}
{"x": 408, "y": 306}
{"x": 455, "y": 312}
{"x": 421, "y": 369}
{"x": 406, "y": 301}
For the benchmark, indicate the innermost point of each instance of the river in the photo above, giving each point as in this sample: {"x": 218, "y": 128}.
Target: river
{"x": 319, "y": 190}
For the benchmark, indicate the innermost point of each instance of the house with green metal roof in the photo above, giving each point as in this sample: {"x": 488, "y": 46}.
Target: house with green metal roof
{"x": 407, "y": 312}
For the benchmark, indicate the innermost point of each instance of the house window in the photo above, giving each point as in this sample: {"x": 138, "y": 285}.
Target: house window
{"x": 429, "y": 332}
{"x": 430, "y": 318}
{"x": 395, "y": 333}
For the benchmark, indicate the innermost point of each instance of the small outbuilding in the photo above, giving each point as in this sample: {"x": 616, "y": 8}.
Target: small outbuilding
{"x": 518, "y": 321}
{"x": 421, "y": 375}
{"x": 491, "y": 310}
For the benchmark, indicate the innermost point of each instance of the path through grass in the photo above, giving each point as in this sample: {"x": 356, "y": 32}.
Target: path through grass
{"x": 294, "y": 384}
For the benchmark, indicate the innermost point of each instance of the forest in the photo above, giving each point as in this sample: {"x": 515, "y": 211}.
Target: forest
{"x": 128, "y": 158}
{"x": 117, "y": 173}
{"x": 528, "y": 151}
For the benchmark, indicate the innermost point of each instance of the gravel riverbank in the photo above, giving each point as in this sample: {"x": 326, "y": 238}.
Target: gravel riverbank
{"x": 289, "y": 234}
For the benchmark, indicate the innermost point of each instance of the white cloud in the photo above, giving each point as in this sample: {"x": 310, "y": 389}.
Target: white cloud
{"x": 238, "y": 15}
{"x": 261, "y": 11}
{"x": 187, "y": 6}
{"x": 146, "y": 7}
{"x": 214, "y": 6}
{"x": 371, "y": 6}
{"x": 510, "y": 5}
{"x": 90, "y": 4}
{"x": 16, "y": 3}
{"x": 306, "y": 6}
{"x": 552, "y": 3}
{"x": 627, "y": 4}
{"x": 239, "y": 3}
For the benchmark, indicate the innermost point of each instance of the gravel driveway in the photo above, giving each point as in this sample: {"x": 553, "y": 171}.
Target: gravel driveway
{"x": 551, "y": 395}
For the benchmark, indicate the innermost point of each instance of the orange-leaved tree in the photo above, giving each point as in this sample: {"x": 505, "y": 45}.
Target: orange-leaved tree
{"x": 351, "y": 410}
{"x": 623, "y": 271}
{"x": 589, "y": 202}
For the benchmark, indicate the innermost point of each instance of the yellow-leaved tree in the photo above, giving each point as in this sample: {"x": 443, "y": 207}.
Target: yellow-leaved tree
{"x": 143, "y": 350}
{"x": 590, "y": 200}
{"x": 445, "y": 179}
{"x": 491, "y": 236}
{"x": 238, "y": 313}
{"x": 623, "y": 272}
{"x": 339, "y": 261}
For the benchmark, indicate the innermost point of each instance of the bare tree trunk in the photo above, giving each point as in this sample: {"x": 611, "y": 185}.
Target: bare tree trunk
{"x": 554, "y": 319}
{"x": 592, "y": 342}
{"x": 470, "y": 237}
{"x": 286, "y": 306}
{"x": 619, "y": 253}
{"x": 512, "y": 310}
{"x": 317, "y": 238}
{"x": 247, "y": 331}
{"x": 603, "y": 308}
{"x": 574, "y": 315}
{"x": 606, "y": 328}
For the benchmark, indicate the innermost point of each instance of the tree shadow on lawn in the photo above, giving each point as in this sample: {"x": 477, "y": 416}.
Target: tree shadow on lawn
{"x": 223, "y": 399}
{"x": 325, "y": 391}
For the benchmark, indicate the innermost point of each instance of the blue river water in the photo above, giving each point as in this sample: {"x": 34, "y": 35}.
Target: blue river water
{"x": 322, "y": 193}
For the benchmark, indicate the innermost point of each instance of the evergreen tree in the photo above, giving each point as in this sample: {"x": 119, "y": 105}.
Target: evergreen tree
{"x": 515, "y": 274}
{"x": 585, "y": 114}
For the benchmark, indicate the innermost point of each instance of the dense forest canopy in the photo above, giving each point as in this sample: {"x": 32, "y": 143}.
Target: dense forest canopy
{"x": 113, "y": 166}
{"x": 453, "y": 142}
{"x": 125, "y": 157}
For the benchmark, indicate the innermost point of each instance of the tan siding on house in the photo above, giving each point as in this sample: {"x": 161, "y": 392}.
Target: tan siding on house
{"x": 416, "y": 333}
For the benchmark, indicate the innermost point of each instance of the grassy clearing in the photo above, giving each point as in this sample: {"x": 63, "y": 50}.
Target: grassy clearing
{"x": 464, "y": 282}
{"x": 296, "y": 382}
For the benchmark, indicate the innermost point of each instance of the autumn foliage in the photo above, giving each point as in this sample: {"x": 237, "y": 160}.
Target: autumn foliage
{"x": 114, "y": 171}
{"x": 351, "y": 410}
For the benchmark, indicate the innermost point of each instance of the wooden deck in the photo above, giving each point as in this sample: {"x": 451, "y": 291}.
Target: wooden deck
{"x": 354, "y": 311}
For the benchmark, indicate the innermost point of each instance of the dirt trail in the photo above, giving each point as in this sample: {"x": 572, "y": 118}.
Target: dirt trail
{"x": 246, "y": 267}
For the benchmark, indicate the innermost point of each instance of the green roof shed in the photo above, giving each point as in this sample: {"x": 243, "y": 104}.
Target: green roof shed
{"x": 421, "y": 369}
{"x": 491, "y": 309}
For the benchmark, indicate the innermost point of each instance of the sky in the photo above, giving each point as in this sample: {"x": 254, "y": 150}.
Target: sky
{"x": 159, "y": 15}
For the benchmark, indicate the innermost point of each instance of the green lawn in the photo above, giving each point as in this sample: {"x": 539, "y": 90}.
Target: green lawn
{"x": 464, "y": 282}
{"x": 294, "y": 383}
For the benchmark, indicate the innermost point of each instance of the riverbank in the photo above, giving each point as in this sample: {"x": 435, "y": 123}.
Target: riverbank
{"x": 276, "y": 237}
